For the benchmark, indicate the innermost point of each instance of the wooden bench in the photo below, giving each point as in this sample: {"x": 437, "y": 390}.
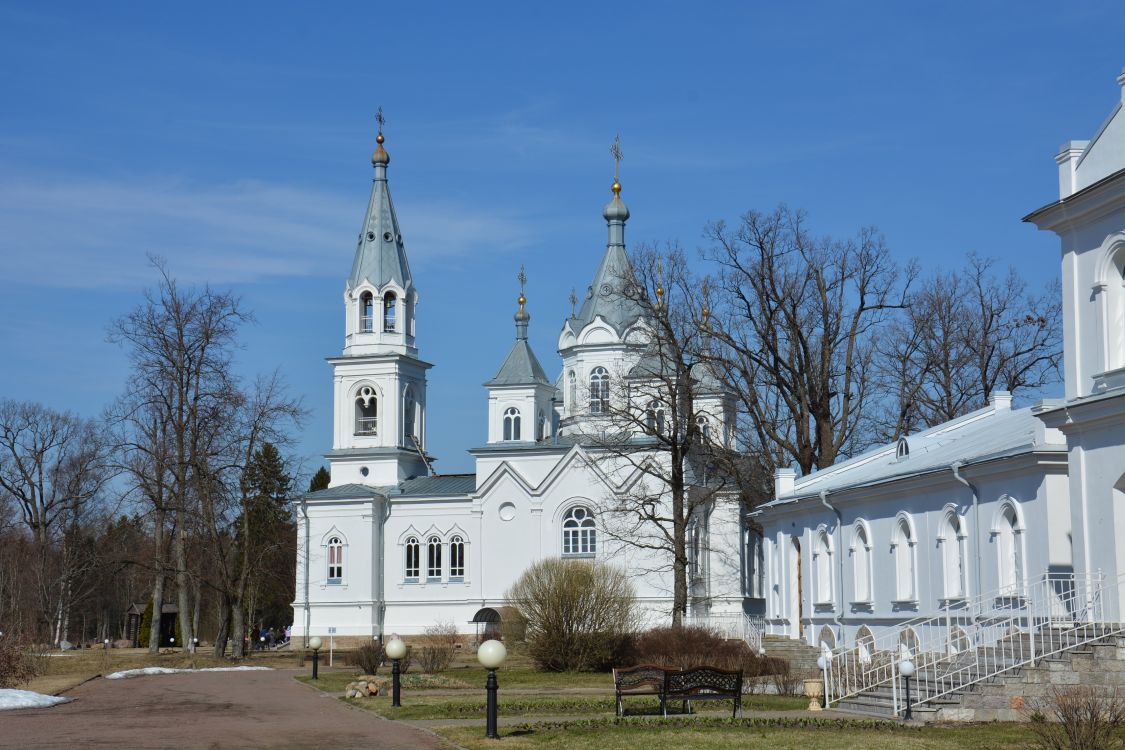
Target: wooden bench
{"x": 703, "y": 684}
{"x": 643, "y": 679}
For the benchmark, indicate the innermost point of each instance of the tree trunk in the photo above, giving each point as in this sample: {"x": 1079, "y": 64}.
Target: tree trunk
{"x": 238, "y": 630}
{"x": 224, "y": 626}
{"x": 158, "y": 583}
{"x": 183, "y": 587}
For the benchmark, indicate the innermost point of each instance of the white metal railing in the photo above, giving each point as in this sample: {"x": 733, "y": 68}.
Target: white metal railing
{"x": 972, "y": 640}
{"x": 366, "y": 324}
{"x": 732, "y": 625}
{"x": 366, "y": 425}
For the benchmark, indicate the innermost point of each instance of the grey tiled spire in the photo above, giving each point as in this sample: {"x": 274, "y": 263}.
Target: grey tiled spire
{"x": 380, "y": 257}
{"x": 521, "y": 367}
{"x": 604, "y": 297}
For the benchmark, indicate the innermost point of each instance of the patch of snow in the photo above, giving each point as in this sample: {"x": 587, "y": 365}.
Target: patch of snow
{"x": 12, "y": 699}
{"x": 167, "y": 670}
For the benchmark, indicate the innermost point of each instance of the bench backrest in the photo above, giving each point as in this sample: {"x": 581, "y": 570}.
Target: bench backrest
{"x": 703, "y": 678}
{"x": 640, "y": 676}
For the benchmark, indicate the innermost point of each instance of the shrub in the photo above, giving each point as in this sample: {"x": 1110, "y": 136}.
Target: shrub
{"x": 17, "y": 666}
{"x": 691, "y": 646}
{"x": 368, "y": 656}
{"x": 1079, "y": 718}
{"x": 576, "y": 614}
{"x": 437, "y": 647}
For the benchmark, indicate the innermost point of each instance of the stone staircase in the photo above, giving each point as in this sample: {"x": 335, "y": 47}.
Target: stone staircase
{"x": 1007, "y": 695}
{"x": 800, "y": 655}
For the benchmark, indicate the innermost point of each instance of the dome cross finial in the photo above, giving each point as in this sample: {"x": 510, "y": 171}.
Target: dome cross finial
{"x": 522, "y": 277}
{"x": 618, "y": 155}
{"x": 380, "y": 157}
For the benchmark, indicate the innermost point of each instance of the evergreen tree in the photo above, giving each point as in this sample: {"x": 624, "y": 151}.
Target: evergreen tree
{"x": 320, "y": 480}
{"x": 271, "y": 538}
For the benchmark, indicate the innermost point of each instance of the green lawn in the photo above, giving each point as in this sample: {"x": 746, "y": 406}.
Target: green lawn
{"x": 474, "y": 678}
{"x": 706, "y": 733}
{"x": 422, "y": 706}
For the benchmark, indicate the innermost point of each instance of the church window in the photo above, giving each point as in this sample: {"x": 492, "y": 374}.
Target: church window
{"x": 1115, "y": 312}
{"x": 903, "y": 449}
{"x": 703, "y": 426}
{"x": 1010, "y": 563}
{"x": 457, "y": 558}
{"x": 573, "y": 391}
{"x": 512, "y": 424}
{"x": 366, "y": 411}
{"x": 654, "y": 418}
{"x": 755, "y": 564}
{"x": 366, "y": 312}
{"x": 952, "y": 541}
{"x": 433, "y": 559}
{"x": 822, "y": 565}
{"x": 413, "y": 559}
{"x": 580, "y": 534}
{"x": 903, "y": 548}
{"x": 335, "y": 560}
{"x": 390, "y": 312}
{"x": 540, "y": 426}
{"x": 408, "y": 409}
{"x": 599, "y": 391}
{"x": 861, "y": 563}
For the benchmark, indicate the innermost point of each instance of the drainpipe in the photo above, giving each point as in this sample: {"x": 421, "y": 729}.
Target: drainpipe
{"x": 308, "y": 612}
{"x": 836, "y": 611}
{"x": 955, "y": 467}
{"x": 381, "y": 601}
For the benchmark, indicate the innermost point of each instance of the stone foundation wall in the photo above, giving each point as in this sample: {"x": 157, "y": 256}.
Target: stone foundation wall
{"x": 1014, "y": 695}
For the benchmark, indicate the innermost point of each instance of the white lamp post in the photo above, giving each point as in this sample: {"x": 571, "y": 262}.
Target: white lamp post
{"x": 491, "y": 655}
{"x": 315, "y": 643}
{"x": 906, "y": 667}
{"x": 396, "y": 650}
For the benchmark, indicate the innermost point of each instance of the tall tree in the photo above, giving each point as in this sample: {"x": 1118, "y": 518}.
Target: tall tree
{"x": 320, "y": 480}
{"x": 797, "y": 320}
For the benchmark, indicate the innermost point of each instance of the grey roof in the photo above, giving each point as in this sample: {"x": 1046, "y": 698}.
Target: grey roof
{"x": 978, "y": 436}
{"x": 604, "y": 297}
{"x": 380, "y": 256}
{"x": 521, "y": 367}
{"x": 650, "y": 365}
{"x": 441, "y": 485}
{"x": 344, "y": 492}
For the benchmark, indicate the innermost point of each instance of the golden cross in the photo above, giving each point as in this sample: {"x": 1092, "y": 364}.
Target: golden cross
{"x": 615, "y": 150}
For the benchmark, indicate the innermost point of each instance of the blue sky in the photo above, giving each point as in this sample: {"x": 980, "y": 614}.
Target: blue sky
{"x": 233, "y": 139}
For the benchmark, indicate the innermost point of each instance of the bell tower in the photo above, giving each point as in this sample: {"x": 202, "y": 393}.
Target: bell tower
{"x": 379, "y": 382}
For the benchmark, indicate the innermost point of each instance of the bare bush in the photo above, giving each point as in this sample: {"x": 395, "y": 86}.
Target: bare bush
{"x": 17, "y": 667}
{"x": 692, "y": 646}
{"x": 577, "y": 614}
{"x": 785, "y": 681}
{"x": 1079, "y": 718}
{"x": 367, "y": 657}
{"x": 437, "y": 647}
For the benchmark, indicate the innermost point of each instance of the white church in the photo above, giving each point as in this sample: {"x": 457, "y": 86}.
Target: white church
{"x": 1002, "y": 524}
{"x": 393, "y": 547}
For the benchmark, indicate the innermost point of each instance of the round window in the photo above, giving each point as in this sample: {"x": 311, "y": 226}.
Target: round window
{"x": 387, "y": 236}
{"x": 507, "y": 511}
{"x": 364, "y": 470}
{"x": 370, "y": 236}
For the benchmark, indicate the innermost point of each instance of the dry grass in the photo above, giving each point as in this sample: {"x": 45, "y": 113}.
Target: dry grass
{"x": 62, "y": 670}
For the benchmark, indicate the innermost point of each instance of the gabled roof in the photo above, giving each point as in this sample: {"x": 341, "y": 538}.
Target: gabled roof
{"x": 604, "y": 298}
{"x": 441, "y": 486}
{"x": 380, "y": 256}
{"x": 521, "y": 367}
{"x": 981, "y": 435}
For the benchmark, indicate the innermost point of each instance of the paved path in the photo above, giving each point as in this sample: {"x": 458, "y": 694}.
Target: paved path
{"x": 206, "y": 710}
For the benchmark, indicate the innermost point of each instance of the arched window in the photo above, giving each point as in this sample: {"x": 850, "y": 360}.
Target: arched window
{"x": 822, "y": 565}
{"x": 512, "y": 424}
{"x": 408, "y": 408}
{"x": 366, "y": 312}
{"x": 827, "y": 638}
{"x": 1115, "y": 311}
{"x": 903, "y": 449}
{"x": 366, "y": 411}
{"x": 413, "y": 559}
{"x": 572, "y": 391}
{"x": 540, "y": 426}
{"x": 580, "y": 534}
{"x": 390, "y": 312}
{"x": 1008, "y": 550}
{"x": 903, "y": 549}
{"x": 599, "y": 391}
{"x": 433, "y": 559}
{"x": 654, "y": 418}
{"x": 335, "y": 560}
{"x": 703, "y": 426}
{"x": 864, "y": 645}
{"x": 952, "y": 541}
{"x": 457, "y": 558}
{"x": 861, "y": 564}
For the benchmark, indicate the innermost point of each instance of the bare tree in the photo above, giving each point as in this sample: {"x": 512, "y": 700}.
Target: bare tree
{"x": 965, "y": 334}
{"x": 53, "y": 467}
{"x": 662, "y": 421}
{"x": 797, "y": 320}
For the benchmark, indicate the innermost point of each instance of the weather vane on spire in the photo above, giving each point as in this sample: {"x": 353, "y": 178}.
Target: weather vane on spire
{"x": 615, "y": 150}
{"x": 380, "y": 119}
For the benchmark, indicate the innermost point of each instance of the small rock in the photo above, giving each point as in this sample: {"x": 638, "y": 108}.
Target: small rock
{"x": 372, "y": 688}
